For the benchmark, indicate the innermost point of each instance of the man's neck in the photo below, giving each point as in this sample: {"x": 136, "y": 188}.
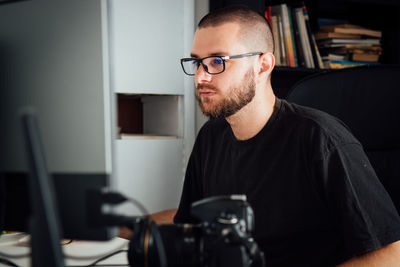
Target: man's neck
{"x": 249, "y": 121}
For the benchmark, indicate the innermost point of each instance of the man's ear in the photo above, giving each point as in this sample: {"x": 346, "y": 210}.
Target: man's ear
{"x": 266, "y": 65}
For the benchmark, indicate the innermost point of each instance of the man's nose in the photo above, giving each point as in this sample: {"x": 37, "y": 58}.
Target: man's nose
{"x": 201, "y": 74}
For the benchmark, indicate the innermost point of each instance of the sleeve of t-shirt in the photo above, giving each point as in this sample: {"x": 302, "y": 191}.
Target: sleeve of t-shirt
{"x": 360, "y": 206}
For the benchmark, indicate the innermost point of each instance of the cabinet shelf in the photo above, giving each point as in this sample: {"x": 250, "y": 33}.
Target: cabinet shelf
{"x": 145, "y": 136}
{"x": 149, "y": 116}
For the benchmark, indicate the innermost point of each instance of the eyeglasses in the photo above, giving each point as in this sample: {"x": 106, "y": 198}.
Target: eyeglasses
{"x": 212, "y": 64}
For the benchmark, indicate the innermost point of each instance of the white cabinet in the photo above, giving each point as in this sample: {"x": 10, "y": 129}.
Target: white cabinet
{"x": 151, "y": 171}
{"x": 146, "y": 41}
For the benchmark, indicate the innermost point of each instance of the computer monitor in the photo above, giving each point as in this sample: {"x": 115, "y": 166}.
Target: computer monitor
{"x": 44, "y": 222}
{"x": 52, "y": 56}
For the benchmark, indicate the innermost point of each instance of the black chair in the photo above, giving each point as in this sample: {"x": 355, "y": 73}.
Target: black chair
{"x": 367, "y": 100}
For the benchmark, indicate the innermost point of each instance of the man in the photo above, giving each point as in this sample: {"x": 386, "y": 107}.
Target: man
{"x": 316, "y": 199}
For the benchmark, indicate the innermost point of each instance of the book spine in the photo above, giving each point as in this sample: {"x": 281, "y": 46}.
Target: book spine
{"x": 314, "y": 48}
{"x": 276, "y": 11}
{"x": 293, "y": 36}
{"x": 284, "y": 59}
{"x": 321, "y": 64}
{"x": 268, "y": 15}
{"x": 288, "y": 35}
{"x": 305, "y": 43}
{"x": 275, "y": 33}
{"x": 297, "y": 39}
{"x": 339, "y": 64}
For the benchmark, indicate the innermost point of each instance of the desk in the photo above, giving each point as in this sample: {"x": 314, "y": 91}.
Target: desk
{"x": 77, "y": 253}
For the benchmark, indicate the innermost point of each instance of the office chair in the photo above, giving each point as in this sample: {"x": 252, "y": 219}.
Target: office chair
{"x": 367, "y": 100}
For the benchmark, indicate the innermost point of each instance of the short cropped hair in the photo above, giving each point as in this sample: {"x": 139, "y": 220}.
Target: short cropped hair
{"x": 255, "y": 31}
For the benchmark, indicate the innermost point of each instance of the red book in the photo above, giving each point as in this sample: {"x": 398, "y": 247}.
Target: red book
{"x": 268, "y": 14}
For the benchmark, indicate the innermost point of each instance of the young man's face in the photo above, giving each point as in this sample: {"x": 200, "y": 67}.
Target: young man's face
{"x": 222, "y": 95}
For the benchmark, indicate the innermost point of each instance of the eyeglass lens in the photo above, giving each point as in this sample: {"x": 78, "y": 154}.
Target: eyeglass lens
{"x": 212, "y": 65}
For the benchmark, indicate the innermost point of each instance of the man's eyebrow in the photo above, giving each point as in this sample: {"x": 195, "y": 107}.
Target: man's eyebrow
{"x": 212, "y": 54}
{"x": 219, "y": 54}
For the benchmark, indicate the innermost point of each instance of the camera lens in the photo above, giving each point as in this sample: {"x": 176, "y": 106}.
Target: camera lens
{"x": 180, "y": 243}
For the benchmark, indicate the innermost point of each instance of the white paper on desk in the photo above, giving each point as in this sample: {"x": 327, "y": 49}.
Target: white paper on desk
{"x": 11, "y": 239}
{"x": 10, "y": 244}
{"x": 86, "y": 252}
{"x": 94, "y": 249}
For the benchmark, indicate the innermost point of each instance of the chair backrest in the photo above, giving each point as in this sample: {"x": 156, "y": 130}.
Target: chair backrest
{"x": 367, "y": 100}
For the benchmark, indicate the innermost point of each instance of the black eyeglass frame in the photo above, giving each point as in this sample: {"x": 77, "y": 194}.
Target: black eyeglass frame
{"x": 223, "y": 58}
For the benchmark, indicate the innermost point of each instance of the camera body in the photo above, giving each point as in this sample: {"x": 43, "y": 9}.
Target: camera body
{"x": 222, "y": 238}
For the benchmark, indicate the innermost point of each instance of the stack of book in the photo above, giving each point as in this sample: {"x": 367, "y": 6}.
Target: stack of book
{"x": 295, "y": 45}
{"x": 348, "y": 45}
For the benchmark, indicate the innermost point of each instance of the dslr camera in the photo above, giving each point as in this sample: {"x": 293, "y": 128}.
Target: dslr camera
{"x": 222, "y": 238}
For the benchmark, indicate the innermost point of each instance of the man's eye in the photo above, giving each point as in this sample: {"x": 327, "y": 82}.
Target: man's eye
{"x": 217, "y": 61}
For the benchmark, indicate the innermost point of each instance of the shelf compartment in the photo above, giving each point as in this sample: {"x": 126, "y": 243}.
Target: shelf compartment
{"x": 149, "y": 116}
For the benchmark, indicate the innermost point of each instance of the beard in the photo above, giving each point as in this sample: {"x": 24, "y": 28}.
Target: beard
{"x": 238, "y": 97}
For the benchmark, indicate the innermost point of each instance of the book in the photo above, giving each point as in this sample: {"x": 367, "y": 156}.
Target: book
{"x": 365, "y": 57}
{"x": 330, "y": 21}
{"x": 352, "y": 29}
{"x": 352, "y": 47}
{"x": 275, "y": 33}
{"x": 284, "y": 59}
{"x": 365, "y": 49}
{"x": 276, "y": 11}
{"x": 349, "y": 41}
{"x": 287, "y": 35}
{"x": 340, "y": 64}
{"x": 352, "y": 55}
{"x": 268, "y": 15}
{"x": 324, "y": 35}
{"x": 334, "y": 57}
{"x": 299, "y": 54}
{"x": 304, "y": 39}
{"x": 314, "y": 47}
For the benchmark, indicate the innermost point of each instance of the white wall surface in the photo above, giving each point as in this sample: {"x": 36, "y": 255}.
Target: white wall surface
{"x": 201, "y": 9}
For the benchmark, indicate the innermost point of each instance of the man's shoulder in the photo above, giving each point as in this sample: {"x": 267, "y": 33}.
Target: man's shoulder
{"x": 307, "y": 114}
{"x": 317, "y": 123}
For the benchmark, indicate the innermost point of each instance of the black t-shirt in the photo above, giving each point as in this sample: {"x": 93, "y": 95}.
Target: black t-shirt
{"x": 316, "y": 199}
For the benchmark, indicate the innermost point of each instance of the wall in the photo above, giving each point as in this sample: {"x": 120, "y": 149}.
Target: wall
{"x": 201, "y": 9}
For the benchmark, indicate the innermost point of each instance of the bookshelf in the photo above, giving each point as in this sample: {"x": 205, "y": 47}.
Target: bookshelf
{"x": 379, "y": 15}
{"x": 382, "y": 15}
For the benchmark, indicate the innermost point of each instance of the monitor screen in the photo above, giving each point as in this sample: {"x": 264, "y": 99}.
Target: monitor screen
{"x": 52, "y": 58}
